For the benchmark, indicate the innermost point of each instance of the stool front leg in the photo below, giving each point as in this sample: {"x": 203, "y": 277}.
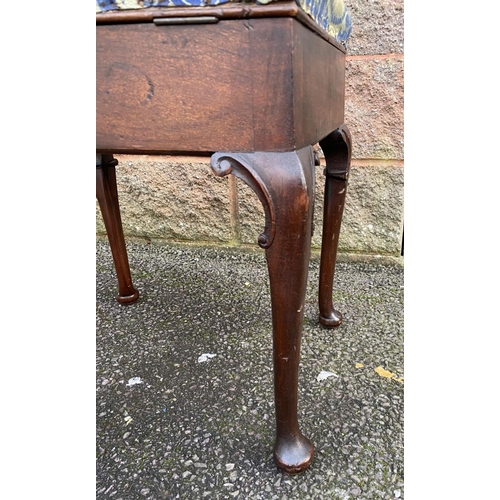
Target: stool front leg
{"x": 337, "y": 150}
{"x": 284, "y": 182}
{"x": 107, "y": 196}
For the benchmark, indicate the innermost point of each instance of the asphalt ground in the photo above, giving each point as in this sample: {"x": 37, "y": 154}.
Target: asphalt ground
{"x": 169, "y": 425}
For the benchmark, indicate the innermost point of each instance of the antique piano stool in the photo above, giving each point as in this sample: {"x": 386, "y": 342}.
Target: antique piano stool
{"x": 255, "y": 86}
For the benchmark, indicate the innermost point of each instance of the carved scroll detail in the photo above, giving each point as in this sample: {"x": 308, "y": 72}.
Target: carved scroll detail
{"x": 242, "y": 165}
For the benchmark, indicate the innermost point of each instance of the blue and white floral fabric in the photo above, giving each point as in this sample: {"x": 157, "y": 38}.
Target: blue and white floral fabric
{"x": 331, "y": 15}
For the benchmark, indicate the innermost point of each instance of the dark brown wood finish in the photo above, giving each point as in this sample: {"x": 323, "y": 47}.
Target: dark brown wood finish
{"x": 227, "y": 11}
{"x": 285, "y": 184}
{"x": 107, "y": 196}
{"x": 337, "y": 150}
{"x": 173, "y": 88}
{"x": 319, "y": 86}
{"x": 242, "y": 85}
{"x": 263, "y": 89}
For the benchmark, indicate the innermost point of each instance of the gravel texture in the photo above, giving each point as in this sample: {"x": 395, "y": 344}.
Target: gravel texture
{"x": 171, "y": 426}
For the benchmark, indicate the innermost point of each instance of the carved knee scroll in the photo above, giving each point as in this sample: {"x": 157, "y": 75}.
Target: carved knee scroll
{"x": 243, "y": 165}
{"x": 337, "y": 150}
{"x": 284, "y": 182}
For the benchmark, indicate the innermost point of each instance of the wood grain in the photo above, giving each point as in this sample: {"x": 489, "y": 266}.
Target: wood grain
{"x": 240, "y": 85}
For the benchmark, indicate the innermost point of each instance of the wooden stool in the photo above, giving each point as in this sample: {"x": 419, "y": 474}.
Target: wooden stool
{"x": 254, "y": 87}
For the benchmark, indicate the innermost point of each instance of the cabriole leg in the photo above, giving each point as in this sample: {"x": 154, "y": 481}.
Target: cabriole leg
{"x": 337, "y": 150}
{"x": 107, "y": 196}
{"x": 284, "y": 183}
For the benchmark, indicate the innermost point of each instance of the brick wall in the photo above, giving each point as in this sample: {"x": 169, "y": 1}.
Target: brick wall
{"x": 373, "y": 220}
{"x": 179, "y": 199}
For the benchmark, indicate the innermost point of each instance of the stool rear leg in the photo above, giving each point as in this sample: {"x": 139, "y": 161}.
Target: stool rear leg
{"x": 337, "y": 150}
{"x": 107, "y": 196}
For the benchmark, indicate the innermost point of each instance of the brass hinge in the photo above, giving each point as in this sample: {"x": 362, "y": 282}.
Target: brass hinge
{"x": 161, "y": 21}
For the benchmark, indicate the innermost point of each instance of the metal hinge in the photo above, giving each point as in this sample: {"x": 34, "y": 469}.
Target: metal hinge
{"x": 161, "y": 21}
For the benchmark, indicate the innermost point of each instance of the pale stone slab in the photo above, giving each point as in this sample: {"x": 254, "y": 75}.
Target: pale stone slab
{"x": 373, "y": 214}
{"x": 166, "y": 200}
{"x": 162, "y": 198}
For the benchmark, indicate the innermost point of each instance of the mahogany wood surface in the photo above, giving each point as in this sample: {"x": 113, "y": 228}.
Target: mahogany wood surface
{"x": 107, "y": 196}
{"x": 285, "y": 182}
{"x": 257, "y": 92}
{"x": 319, "y": 87}
{"x": 337, "y": 150}
{"x": 240, "y": 85}
{"x": 225, "y": 11}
